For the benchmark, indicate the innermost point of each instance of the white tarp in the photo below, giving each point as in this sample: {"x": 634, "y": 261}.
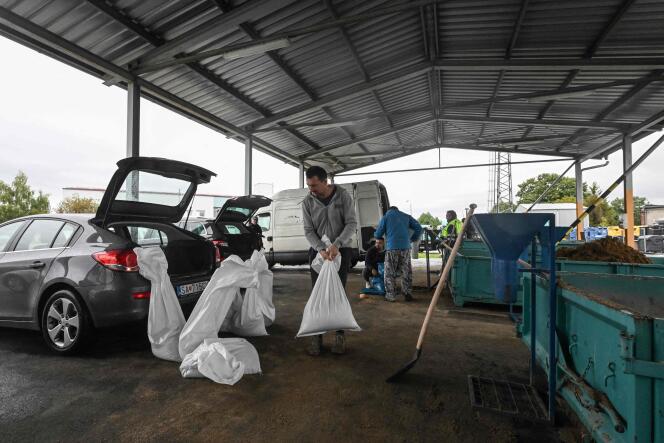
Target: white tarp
{"x": 222, "y": 360}
{"x": 328, "y": 308}
{"x": 165, "y": 318}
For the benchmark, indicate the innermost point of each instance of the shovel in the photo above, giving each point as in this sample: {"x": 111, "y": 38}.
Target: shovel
{"x": 434, "y": 300}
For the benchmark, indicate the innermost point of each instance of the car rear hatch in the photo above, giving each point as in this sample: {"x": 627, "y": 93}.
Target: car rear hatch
{"x": 150, "y": 189}
{"x": 231, "y": 219}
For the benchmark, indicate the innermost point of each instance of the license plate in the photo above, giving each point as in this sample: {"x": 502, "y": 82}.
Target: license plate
{"x": 192, "y": 288}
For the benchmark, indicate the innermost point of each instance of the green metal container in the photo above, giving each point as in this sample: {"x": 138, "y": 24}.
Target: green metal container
{"x": 610, "y": 351}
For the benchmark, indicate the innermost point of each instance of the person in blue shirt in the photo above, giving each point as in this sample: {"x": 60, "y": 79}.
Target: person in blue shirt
{"x": 399, "y": 230}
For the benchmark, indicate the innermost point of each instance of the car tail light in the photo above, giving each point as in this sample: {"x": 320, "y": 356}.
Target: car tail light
{"x": 218, "y": 244}
{"x": 217, "y": 255}
{"x": 144, "y": 295}
{"x": 118, "y": 260}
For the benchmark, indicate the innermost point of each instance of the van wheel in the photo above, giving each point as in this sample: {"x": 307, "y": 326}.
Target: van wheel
{"x": 65, "y": 324}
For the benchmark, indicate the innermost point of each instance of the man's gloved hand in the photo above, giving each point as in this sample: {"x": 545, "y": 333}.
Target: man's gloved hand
{"x": 332, "y": 252}
{"x": 324, "y": 254}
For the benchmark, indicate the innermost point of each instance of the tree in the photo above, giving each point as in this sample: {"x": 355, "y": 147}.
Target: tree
{"x": 531, "y": 189}
{"x": 603, "y": 214}
{"x": 18, "y": 199}
{"x": 618, "y": 207}
{"x": 428, "y": 219}
{"x": 77, "y": 205}
{"x": 502, "y": 207}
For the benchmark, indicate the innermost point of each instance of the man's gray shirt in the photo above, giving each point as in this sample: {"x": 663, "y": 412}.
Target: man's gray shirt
{"x": 337, "y": 220}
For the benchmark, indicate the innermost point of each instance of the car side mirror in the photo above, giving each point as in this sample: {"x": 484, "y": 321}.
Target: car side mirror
{"x": 269, "y": 238}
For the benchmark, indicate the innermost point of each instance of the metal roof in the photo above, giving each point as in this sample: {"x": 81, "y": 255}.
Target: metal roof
{"x": 351, "y": 83}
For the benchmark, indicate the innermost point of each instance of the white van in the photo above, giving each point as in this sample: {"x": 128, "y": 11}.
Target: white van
{"x": 283, "y": 227}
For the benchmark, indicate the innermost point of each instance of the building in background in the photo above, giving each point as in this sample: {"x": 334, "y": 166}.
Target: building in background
{"x": 203, "y": 205}
{"x": 651, "y": 213}
{"x": 565, "y": 212}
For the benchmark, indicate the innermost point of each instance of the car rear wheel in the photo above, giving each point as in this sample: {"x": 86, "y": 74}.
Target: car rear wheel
{"x": 65, "y": 324}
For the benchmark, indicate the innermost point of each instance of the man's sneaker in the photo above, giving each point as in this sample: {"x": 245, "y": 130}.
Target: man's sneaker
{"x": 408, "y": 297}
{"x": 314, "y": 345}
{"x": 339, "y": 346}
{"x": 367, "y": 285}
{"x": 390, "y": 299}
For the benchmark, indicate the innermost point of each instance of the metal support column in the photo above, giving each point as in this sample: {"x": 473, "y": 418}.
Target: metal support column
{"x": 301, "y": 169}
{"x": 628, "y": 192}
{"x": 248, "y": 160}
{"x": 133, "y": 135}
{"x": 579, "y": 198}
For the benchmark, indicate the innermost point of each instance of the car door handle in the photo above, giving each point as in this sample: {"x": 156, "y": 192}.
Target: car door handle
{"x": 36, "y": 265}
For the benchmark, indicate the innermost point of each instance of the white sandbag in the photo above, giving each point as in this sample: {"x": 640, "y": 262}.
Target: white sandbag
{"x": 317, "y": 262}
{"x": 265, "y": 286}
{"x": 212, "y": 308}
{"x": 165, "y": 318}
{"x": 223, "y": 360}
{"x": 256, "y": 309}
{"x": 328, "y": 308}
{"x": 249, "y": 321}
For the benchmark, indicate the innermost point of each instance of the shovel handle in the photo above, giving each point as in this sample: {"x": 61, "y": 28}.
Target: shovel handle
{"x": 443, "y": 277}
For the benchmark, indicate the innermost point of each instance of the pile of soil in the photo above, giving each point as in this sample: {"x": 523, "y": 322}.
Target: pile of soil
{"x": 606, "y": 249}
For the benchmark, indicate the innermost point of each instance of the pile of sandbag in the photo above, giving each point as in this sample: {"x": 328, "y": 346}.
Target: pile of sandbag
{"x": 222, "y": 306}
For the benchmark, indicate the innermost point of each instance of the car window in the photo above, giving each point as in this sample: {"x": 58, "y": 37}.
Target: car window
{"x": 7, "y": 232}
{"x": 154, "y": 188}
{"x": 230, "y": 229}
{"x": 264, "y": 221}
{"x": 39, "y": 235}
{"x": 148, "y": 236}
{"x": 196, "y": 228}
{"x": 244, "y": 211}
{"x": 65, "y": 235}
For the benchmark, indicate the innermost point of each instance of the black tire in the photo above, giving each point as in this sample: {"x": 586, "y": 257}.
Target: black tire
{"x": 63, "y": 308}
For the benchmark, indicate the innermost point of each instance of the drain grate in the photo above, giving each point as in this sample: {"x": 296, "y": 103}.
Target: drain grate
{"x": 506, "y": 397}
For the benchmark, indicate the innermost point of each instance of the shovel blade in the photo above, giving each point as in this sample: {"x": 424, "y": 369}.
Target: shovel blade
{"x": 407, "y": 367}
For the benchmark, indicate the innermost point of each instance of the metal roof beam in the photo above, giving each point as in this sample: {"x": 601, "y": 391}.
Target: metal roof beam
{"x": 345, "y": 94}
{"x": 370, "y": 136}
{"x": 537, "y": 95}
{"x": 551, "y": 64}
{"x": 552, "y": 123}
{"x": 470, "y": 147}
{"x": 209, "y": 75}
{"x": 213, "y": 28}
{"x": 179, "y": 45}
{"x": 615, "y": 19}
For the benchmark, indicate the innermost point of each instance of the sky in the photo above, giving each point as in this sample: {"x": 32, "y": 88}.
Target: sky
{"x": 64, "y": 128}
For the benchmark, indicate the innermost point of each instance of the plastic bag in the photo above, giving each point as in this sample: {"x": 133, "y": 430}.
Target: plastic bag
{"x": 165, "y": 318}
{"x": 377, "y": 282}
{"x": 222, "y": 360}
{"x": 212, "y": 308}
{"x": 328, "y": 308}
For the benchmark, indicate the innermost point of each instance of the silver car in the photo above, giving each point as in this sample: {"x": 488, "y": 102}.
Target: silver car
{"x": 69, "y": 274}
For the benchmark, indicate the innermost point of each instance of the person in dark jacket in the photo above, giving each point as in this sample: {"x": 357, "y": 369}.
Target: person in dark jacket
{"x": 375, "y": 255}
{"x": 255, "y": 228}
{"x": 396, "y": 226}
